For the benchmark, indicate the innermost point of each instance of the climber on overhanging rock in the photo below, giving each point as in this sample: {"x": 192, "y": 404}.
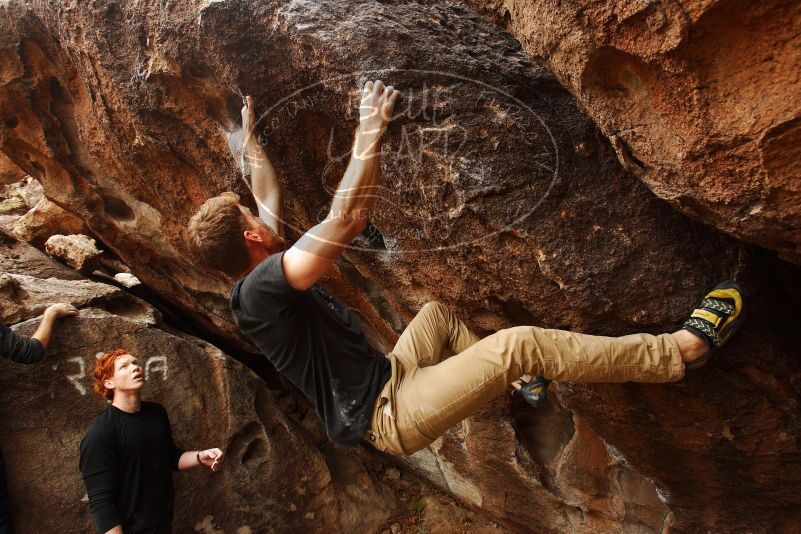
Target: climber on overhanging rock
{"x": 439, "y": 372}
{"x": 128, "y": 454}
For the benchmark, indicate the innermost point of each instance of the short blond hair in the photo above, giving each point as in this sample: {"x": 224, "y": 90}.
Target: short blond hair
{"x": 216, "y": 235}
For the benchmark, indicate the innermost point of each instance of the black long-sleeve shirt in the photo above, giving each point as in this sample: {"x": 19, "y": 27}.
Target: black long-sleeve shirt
{"x": 19, "y": 348}
{"x": 126, "y": 463}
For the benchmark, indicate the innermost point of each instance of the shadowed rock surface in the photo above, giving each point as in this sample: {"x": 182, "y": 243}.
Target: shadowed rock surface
{"x": 699, "y": 99}
{"x": 502, "y": 200}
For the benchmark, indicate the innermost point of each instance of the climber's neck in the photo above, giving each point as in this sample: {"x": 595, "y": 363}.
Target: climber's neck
{"x": 257, "y": 255}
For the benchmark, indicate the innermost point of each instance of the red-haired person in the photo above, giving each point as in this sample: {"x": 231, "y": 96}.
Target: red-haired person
{"x": 26, "y": 350}
{"x": 128, "y": 454}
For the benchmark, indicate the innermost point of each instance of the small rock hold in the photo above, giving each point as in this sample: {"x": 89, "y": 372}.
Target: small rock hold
{"x": 392, "y": 473}
{"x": 126, "y": 279}
{"x": 78, "y": 251}
{"x": 582, "y": 149}
{"x": 395, "y": 528}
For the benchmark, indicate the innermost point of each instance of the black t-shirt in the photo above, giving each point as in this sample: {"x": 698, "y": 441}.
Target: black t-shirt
{"x": 126, "y": 463}
{"x": 313, "y": 340}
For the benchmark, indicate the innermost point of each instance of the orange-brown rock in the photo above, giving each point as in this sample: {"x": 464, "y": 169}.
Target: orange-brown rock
{"x": 502, "y": 200}
{"x": 46, "y": 219}
{"x": 9, "y": 172}
{"x": 700, "y": 99}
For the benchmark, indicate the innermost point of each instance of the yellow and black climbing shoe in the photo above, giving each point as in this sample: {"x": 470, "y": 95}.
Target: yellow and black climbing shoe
{"x": 718, "y": 316}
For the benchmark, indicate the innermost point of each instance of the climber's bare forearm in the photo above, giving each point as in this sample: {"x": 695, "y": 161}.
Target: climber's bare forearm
{"x": 264, "y": 180}
{"x": 357, "y": 190}
{"x": 348, "y": 217}
{"x": 320, "y": 246}
{"x": 266, "y": 186}
{"x": 44, "y": 331}
{"x": 312, "y": 255}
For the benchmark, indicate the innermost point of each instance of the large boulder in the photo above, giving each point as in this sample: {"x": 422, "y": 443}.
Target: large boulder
{"x": 30, "y": 216}
{"x": 699, "y": 99}
{"x": 502, "y": 199}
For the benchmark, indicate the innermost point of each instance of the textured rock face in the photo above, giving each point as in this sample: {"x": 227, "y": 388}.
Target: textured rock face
{"x": 559, "y": 476}
{"x": 41, "y": 218}
{"x": 699, "y": 98}
{"x": 19, "y": 258}
{"x": 17, "y": 198}
{"x": 9, "y": 172}
{"x": 502, "y": 200}
{"x": 44, "y": 220}
{"x": 27, "y": 296}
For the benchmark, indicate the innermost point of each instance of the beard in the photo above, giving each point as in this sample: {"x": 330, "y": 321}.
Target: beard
{"x": 276, "y": 244}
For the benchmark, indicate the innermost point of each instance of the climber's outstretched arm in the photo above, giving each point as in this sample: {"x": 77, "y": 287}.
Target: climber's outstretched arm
{"x": 264, "y": 180}
{"x": 319, "y": 247}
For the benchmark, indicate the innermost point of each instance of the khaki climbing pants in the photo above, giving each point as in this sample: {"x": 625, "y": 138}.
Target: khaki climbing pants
{"x": 442, "y": 373}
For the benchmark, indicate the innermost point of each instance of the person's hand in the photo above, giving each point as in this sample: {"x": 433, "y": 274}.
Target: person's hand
{"x": 249, "y": 122}
{"x": 212, "y": 458}
{"x": 375, "y": 109}
{"x": 57, "y": 311}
